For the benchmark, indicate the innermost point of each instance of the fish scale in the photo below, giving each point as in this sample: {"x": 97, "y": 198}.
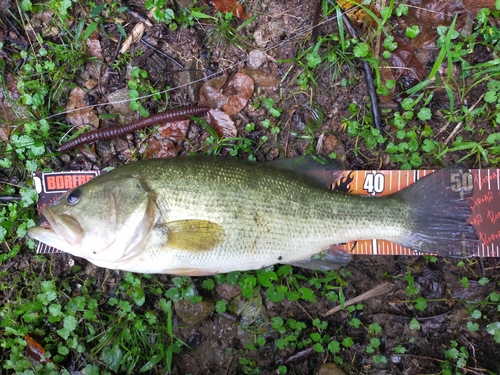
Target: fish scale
{"x": 203, "y": 215}
{"x": 279, "y": 237}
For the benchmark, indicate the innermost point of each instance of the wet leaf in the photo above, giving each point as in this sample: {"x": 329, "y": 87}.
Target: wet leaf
{"x": 265, "y": 277}
{"x": 494, "y": 329}
{"x": 4, "y": 128}
{"x": 247, "y": 309}
{"x": 35, "y": 351}
{"x": 405, "y": 66}
{"x": 424, "y": 114}
{"x": 222, "y": 123}
{"x": 167, "y": 140}
{"x": 429, "y": 14}
{"x": 112, "y": 357}
{"x": 315, "y": 117}
{"x": 176, "y": 131}
{"x": 234, "y": 96}
{"x": 134, "y": 36}
{"x": 94, "y": 46}
{"x": 414, "y": 324}
{"x": 239, "y": 90}
{"x": 95, "y": 12}
{"x": 221, "y": 306}
{"x": 225, "y": 6}
{"x": 151, "y": 363}
{"x": 261, "y": 78}
{"x": 210, "y": 93}
{"x": 82, "y": 116}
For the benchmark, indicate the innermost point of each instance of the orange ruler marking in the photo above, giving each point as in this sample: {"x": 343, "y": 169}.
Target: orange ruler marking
{"x": 485, "y": 214}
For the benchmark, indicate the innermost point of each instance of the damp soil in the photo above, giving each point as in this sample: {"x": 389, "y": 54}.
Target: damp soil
{"x": 218, "y": 341}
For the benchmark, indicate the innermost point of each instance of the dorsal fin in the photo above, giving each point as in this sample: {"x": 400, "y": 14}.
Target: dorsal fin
{"x": 325, "y": 172}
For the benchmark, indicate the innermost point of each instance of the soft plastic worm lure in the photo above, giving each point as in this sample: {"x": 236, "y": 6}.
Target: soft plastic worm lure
{"x": 177, "y": 114}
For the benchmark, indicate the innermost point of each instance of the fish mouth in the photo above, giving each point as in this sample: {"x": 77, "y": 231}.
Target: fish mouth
{"x": 64, "y": 227}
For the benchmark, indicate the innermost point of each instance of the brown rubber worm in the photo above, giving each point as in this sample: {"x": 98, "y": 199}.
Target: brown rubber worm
{"x": 177, "y": 114}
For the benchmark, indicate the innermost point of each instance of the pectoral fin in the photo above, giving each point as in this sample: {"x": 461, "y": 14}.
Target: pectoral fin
{"x": 193, "y": 235}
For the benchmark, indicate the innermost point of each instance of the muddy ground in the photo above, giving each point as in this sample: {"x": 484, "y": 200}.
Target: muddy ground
{"x": 218, "y": 341}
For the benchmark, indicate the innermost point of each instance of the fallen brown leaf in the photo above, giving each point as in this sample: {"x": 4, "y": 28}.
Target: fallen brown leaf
{"x": 238, "y": 90}
{"x": 94, "y": 46}
{"x": 35, "y": 351}
{"x": 386, "y": 75}
{"x": 134, "y": 37}
{"x": 167, "y": 140}
{"x": 82, "y": 116}
{"x": 222, "y": 123}
{"x": 210, "y": 93}
{"x": 176, "y": 131}
{"x": 4, "y": 133}
{"x": 405, "y": 65}
{"x": 225, "y": 6}
{"x": 162, "y": 149}
{"x": 234, "y": 96}
{"x": 261, "y": 78}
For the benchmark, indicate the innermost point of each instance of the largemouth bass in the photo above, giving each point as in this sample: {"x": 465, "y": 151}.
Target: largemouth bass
{"x": 202, "y": 215}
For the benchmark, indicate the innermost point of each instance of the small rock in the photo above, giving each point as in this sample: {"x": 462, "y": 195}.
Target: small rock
{"x": 247, "y": 310}
{"x": 266, "y": 33}
{"x": 120, "y": 101}
{"x": 330, "y": 143}
{"x": 395, "y": 358}
{"x": 330, "y": 369}
{"x": 227, "y": 291}
{"x": 276, "y": 28}
{"x": 90, "y": 83}
{"x": 256, "y": 58}
{"x": 261, "y": 35}
{"x": 65, "y": 158}
{"x": 192, "y": 314}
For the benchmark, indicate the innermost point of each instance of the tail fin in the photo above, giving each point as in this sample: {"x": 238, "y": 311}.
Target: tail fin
{"x": 439, "y": 207}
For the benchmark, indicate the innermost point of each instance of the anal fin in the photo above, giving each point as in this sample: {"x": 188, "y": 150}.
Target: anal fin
{"x": 331, "y": 259}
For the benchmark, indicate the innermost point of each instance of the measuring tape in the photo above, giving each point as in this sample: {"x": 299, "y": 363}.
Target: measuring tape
{"x": 485, "y": 216}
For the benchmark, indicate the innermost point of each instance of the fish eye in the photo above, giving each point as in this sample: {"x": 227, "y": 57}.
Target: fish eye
{"x": 74, "y": 197}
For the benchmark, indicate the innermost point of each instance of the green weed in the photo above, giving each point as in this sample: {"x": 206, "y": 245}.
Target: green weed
{"x": 116, "y": 331}
{"x": 249, "y": 366}
{"x": 234, "y": 145}
{"x": 222, "y": 31}
{"x": 182, "y": 289}
{"x": 457, "y": 356}
{"x": 100, "y": 15}
{"x": 138, "y": 86}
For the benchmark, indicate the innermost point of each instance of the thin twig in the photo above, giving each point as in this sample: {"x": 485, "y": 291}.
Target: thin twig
{"x": 162, "y": 53}
{"x": 459, "y": 125}
{"x": 315, "y": 20}
{"x": 372, "y": 92}
{"x": 473, "y": 370}
{"x": 10, "y": 198}
{"x": 376, "y": 291}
